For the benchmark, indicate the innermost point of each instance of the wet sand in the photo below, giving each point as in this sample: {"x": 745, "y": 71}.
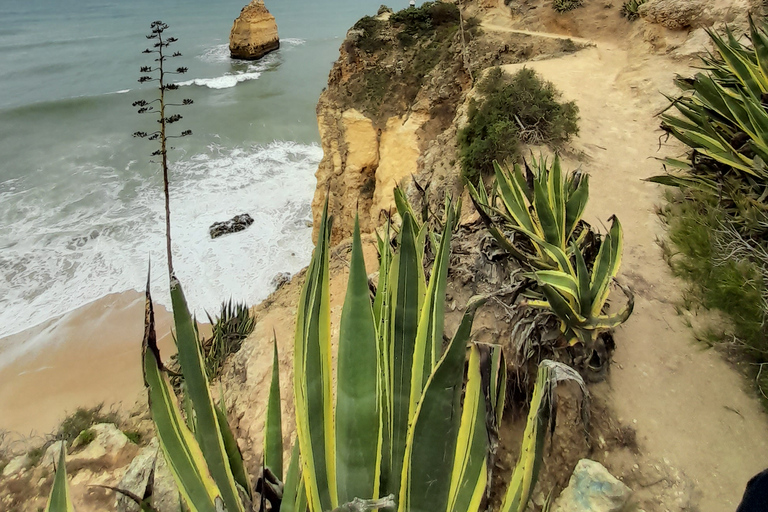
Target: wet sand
{"x": 89, "y": 356}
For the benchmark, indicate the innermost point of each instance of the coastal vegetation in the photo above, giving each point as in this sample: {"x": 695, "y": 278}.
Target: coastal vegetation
{"x": 718, "y": 215}
{"x": 566, "y": 5}
{"x": 229, "y": 330}
{"x": 423, "y": 37}
{"x": 511, "y": 111}
{"x": 630, "y": 9}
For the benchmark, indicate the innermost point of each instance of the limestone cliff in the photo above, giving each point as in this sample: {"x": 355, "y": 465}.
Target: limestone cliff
{"x": 390, "y": 112}
{"x": 254, "y": 32}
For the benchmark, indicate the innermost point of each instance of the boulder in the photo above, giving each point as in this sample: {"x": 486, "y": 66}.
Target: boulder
{"x": 254, "y": 33}
{"x": 233, "y": 225}
{"x": 110, "y": 448}
{"x": 592, "y": 489}
{"x": 165, "y": 495}
{"x": 15, "y": 466}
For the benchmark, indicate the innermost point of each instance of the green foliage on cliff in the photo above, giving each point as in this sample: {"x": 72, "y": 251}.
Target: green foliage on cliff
{"x": 523, "y": 108}
{"x": 566, "y": 5}
{"x": 397, "y": 53}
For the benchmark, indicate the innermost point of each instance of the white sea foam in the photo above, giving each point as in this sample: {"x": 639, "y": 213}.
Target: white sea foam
{"x": 222, "y": 82}
{"x": 216, "y": 54}
{"x": 292, "y": 41}
{"x": 80, "y": 254}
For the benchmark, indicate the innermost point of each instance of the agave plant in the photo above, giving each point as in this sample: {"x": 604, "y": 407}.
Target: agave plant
{"x": 402, "y": 428}
{"x": 578, "y": 297}
{"x": 542, "y": 208}
{"x": 721, "y": 117}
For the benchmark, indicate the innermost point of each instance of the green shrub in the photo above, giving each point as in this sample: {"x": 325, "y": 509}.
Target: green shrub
{"x": 35, "y": 454}
{"x": 86, "y": 437}
{"x": 422, "y": 21}
{"x": 566, "y": 5}
{"x": 521, "y": 109}
{"x": 82, "y": 419}
{"x": 370, "y": 40}
{"x": 630, "y": 9}
{"x": 722, "y": 276}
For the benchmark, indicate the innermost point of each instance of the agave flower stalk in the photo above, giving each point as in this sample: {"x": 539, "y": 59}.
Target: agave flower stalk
{"x": 159, "y": 74}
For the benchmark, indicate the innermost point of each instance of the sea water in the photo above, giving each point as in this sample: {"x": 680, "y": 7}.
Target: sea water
{"x": 81, "y": 203}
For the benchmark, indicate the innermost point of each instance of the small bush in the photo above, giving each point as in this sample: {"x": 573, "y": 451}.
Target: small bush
{"x": 35, "y": 454}
{"x": 86, "y": 437}
{"x": 721, "y": 276}
{"x": 521, "y": 109}
{"x": 630, "y": 9}
{"x": 422, "y": 21}
{"x": 82, "y": 419}
{"x": 370, "y": 40}
{"x": 566, "y": 5}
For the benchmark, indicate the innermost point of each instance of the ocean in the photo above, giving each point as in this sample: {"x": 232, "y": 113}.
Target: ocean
{"x": 81, "y": 205}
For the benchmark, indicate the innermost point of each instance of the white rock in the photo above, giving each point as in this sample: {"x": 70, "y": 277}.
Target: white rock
{"x": 592, "y": 489}
{"x": 15, "y": 466}
{"x": 165, "y": 494}
{"x": 109, "y": 448}
{"x": 51, "y": 454}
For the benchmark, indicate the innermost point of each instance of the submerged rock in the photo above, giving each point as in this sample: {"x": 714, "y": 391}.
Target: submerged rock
{"x": 592, "y": 489}
{"x": 254, "y": 33}
{"x": 233, "y": 225}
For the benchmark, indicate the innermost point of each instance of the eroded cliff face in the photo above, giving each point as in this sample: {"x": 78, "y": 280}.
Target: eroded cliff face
{"x": 254, "y": 32}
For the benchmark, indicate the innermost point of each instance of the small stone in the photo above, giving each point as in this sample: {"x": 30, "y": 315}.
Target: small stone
{"x": 592, "y": 489}
{"x": 110, "y": 448}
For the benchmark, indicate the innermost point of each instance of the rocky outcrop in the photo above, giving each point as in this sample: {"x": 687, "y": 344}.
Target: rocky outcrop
{"x": 254, "y": 33}
{"x": 149, "y": 474}
{"x": 233, "y": 225}
{"x": 681, "y": 14}
{"x": 110, "y": 448}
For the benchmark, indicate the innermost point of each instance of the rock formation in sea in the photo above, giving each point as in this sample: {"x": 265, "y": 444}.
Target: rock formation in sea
{"x": 254, "y": 33}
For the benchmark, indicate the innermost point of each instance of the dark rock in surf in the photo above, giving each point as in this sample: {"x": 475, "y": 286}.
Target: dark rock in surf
{"x": 233, "y": 225}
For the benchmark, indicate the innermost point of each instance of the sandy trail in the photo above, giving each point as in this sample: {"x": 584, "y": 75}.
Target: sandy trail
{"x": 547, "y": 35}
{"x": 688, "y": 406}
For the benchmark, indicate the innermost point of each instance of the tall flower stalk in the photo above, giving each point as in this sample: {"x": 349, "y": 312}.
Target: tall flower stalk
{"x": 158, "y": 73}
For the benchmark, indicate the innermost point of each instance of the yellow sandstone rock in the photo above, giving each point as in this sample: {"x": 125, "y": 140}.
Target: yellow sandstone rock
{"x": 254, "y": 33}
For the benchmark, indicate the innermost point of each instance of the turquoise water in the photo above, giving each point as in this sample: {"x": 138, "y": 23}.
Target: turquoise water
{"x": 81, "y": 208}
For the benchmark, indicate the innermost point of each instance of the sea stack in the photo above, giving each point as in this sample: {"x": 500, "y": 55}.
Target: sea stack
{"x": 254, "y": 33}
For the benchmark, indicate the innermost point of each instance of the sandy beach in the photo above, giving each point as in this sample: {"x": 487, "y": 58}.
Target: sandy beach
{"x": 89, "y": 356}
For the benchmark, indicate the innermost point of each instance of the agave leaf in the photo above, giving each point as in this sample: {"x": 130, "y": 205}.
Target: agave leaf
{"x": 564, "y": 283}
{"x": 469, "y": 475}
{"x": 183, "y": 454}
{"x": 606, "y": 266}
{"x": 744, "y": 70}
{"x": 358, "y": 458}
{"x": 59, "y": 499}
{"x": 405, "y": 290}
{"x": 234, "y": 454}
{"x": 431, "y": 439}
{"x": 293, "y": 488}
{"x": 429, "y": 334}
{"x": 527, "y": 470}
{"x": 513, "y": 198}
{"x": 574, "y": 208}
{"x": 273, "y": 436}
{"x": 312, "y": 378}
{"x": 207, "y": 427}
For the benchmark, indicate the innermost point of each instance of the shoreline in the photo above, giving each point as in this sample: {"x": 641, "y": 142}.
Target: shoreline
{"x": 88, "y": 356}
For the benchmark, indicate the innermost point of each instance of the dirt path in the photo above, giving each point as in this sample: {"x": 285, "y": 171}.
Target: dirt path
{"x": 548, "y": 35}
{"x": 688, "y": 406}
